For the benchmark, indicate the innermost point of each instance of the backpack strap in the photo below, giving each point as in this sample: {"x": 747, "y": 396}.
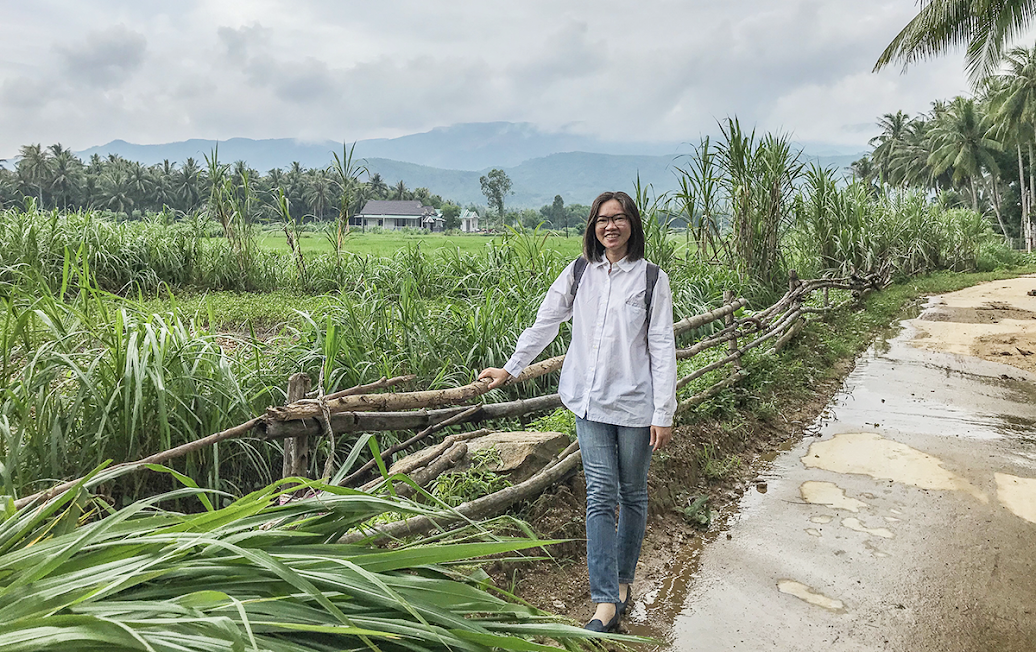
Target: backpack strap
{"x": 577, "y": 275}
{"x": 652, "y": 278}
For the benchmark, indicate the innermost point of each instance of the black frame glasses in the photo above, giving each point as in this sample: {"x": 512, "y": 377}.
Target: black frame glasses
{"x": 619, "y": 219}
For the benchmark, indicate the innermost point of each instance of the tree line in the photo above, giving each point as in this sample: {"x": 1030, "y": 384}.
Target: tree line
{"x": 979, "y": 149}
{"x": 56, "y": 178}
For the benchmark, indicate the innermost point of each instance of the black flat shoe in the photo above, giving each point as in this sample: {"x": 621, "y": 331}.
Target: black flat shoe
{"x": 621, "y": 607}
{"x": 596, "y": 625}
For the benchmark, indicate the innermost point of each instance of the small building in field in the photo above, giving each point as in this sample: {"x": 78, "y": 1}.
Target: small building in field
{"x": 394, "y": 214}
{"x": 468, "y": 221}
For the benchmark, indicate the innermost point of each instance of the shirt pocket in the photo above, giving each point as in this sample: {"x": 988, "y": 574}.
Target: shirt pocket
{"x": 635, "y": 311}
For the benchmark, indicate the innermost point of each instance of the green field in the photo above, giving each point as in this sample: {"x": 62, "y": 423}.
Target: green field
{"x": 387, "y": 245}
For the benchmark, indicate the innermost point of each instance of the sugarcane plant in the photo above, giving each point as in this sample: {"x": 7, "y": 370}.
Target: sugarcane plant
{"x": 258, "y": 574}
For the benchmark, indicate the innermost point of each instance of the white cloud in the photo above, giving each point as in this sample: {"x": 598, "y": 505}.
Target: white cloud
{"x": 84, "y": 74}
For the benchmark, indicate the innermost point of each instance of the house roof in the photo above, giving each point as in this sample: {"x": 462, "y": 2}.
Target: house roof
{"x": 410, "y": 208}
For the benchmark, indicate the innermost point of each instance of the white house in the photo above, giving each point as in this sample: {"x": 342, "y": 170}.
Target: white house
{"x": 468, "y": 221}
{"x": 396, "y": 215}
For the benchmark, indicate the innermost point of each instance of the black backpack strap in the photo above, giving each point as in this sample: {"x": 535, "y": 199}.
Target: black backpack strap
{"x": 652, "y": 278}
{"x": 577, "y": 275}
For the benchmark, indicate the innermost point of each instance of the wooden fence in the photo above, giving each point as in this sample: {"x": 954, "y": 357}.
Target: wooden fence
{"x": 364, "y": 409}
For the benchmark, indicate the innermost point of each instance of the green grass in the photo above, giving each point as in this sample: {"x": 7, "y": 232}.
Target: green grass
{"x": 388, "y": 244}
{"x": 227, "y": 311}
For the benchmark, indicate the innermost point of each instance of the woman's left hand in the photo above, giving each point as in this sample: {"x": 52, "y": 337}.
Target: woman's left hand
{"x": 660, "y": 436}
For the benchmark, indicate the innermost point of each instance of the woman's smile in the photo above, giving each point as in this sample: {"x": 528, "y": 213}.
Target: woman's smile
{"x": 612, "y": 229}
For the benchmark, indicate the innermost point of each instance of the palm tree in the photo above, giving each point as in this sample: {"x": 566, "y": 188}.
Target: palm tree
{"x": 33, "y": 170}
{"x": 888, "y": 142}
{"x": 911, "y": 161}
{"x": 317, "y": 193}
{"x": 984, "y": 26}
{"x": 187, "y": 185}
{"x": 864, "y": 171}
{"x": 399, "y": 191}
{"x": 275, "y": 178}
{"x": 65, "y": 174}
{"x": 117, "y": 189}
{"x": 294, "y": 186}
{"x": 961, "y": 140}
{"x": 141, "y": 183}
{"x": 379, "y": 189}
{"x": 162, "y": 177}
{"x": 1013, "y": 98}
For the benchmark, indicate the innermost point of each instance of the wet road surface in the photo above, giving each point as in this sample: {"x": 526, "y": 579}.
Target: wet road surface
{"x": 907, "y": 523}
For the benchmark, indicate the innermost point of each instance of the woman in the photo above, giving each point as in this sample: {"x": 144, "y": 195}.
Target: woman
{"x": 619, "y": 378}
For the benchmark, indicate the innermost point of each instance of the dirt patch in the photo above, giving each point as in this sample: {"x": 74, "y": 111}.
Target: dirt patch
{"x": 995, "y": 321}
{"x": 985, "y": 314}
{"x": 676, "y": 479}
{"x": 1016, "y": 350}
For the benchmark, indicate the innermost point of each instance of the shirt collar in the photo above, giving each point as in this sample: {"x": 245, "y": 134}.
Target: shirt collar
{"x": 625, "y": 264}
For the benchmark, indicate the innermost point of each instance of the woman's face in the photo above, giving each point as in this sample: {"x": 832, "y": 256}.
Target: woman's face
{"x": 613, "y": 229}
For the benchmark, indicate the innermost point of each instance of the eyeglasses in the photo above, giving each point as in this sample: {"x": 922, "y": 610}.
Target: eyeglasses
{"x": 619, "y": 220}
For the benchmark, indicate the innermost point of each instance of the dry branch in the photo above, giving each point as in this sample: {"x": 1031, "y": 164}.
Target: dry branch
{"x": 717, "y": 340}
{"x": 157, "y": 458}
{"x": 373, "y": 421}
{"x": 473, "y": 510}
{"x": 785, "y": 322}
{"x": 388, "y": 453}
{"x": 697, "y": 321}
{"x": 381, "y": 383}
{"x": 698, "y": 373}
{"x": 795, "y": 329}
{"x": 703, "y": 396}
{"x": 424, "y": 475}
{"x": 541, "y": 368}
{"x": 381, "y": 402}
{"x": 427, "y": 455}
{"x": 296, "y": 449}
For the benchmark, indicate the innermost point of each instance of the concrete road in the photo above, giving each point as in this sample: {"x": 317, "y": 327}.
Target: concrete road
{"x": 907, "y": 523}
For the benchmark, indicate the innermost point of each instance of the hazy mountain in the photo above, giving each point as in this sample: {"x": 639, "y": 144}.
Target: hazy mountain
{"x": 471, "y": 146}
{"x": 577, "y": 176}
{"x": 450, "y": 160}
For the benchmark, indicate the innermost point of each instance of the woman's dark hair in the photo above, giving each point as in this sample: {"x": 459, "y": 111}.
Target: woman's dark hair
{"x": 592, "y": 247}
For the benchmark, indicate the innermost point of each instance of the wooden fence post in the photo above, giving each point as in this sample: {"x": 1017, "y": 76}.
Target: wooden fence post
{"x": 296, "y": 449}
{"x": 728, "y": 321}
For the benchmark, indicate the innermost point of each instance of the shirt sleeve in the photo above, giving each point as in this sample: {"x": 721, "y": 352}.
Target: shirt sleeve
{"x": 556, "y": 308}
{"x": 662, "y": 352}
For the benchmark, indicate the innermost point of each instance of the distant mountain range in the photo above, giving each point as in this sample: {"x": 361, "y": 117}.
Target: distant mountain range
{"x": 449, "y": 160}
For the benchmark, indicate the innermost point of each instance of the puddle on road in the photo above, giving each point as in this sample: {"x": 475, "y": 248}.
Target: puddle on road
{"x": 830, "y": 494}
{"x": 1018, "y": 495}
{"x": 803, "y": 592}
{"x": 855, "y": 525}
{"x": 884, "y": 459}
{"x": 823, "y": 519}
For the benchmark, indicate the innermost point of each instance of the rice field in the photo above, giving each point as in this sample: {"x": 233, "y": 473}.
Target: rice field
{"x": 386, "y": 243}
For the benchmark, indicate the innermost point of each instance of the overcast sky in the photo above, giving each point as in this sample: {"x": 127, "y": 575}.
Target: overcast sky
{"x": 85, "y": 73}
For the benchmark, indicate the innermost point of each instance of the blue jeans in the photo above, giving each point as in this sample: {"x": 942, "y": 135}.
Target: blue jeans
{"x": 615, "y": 463}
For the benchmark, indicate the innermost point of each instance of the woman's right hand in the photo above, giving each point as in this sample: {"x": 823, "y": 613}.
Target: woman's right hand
{"x": 496, "y": 376}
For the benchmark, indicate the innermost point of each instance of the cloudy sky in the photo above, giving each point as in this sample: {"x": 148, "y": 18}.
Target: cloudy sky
{"x": 84, "y": 73}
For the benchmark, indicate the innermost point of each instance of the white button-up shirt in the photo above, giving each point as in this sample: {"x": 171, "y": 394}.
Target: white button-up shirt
{"x": 615, "y": 371}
